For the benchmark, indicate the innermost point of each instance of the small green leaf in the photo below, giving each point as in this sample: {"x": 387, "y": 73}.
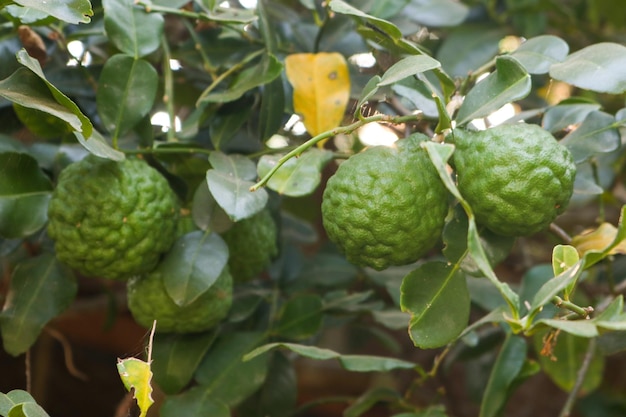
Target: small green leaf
{"x": 192, "y": 266}
{"x": 580, "y": 328}
{"x": 506, "y": 369}
{"x": 229, "y": 183}
{"x": 553, "y": 287}
{"x": 131, "y": 29}
{"x": 539, "y": 53}
{"x": 561, "y": 116}
{"x": 70, "y": 11}
{"x": 136, "y": 375}
{"x": 24, "y": 195}
{"x": 596, "y": 134}
{"x": 29, "y": 409}
{"x": 301, "y": 317}
{"x": 176, "y": 357}
{"x": 262, "y": 73}
{"x": 509, "y": 82}
{"x": 311, "y": 352}
{"x": 407, "y": 67}
{"x": 13, "y": 398}
{"x": 598, "y": 67}
{"x": 298, "y": 176}
{"x": 41, "y": 288}
{"x": 126, "y": 91}
{"x": 224, "y": 376}
{"x": 563, "y": 258}
{"x": 436, "y": 296}
{"x": 386, "y": 27}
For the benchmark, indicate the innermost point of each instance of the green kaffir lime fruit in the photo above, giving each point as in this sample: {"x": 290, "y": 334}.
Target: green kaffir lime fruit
{"x": 112, "y": 219}
{"x": 148, "y": 300}
{"x": 252, "y": 245}
{"x": 386, "y": 205}
{"x": 516, "y": 177}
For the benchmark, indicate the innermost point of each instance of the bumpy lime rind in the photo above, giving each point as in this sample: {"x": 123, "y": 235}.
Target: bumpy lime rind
{"x": 386, "y": 205}
{"x": 516, "y": 177}
{"x": 112, "y": 219}
{"x": 252, "y": 245}
{"x": 148, "y": 301}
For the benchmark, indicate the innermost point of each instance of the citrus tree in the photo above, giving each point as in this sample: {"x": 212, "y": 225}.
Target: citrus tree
{"x": 250, "y": 176}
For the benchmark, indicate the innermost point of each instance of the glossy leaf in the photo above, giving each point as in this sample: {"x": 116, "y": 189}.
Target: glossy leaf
{"x": 41, "y": 288}
{"x": 563, "y": 258}
{"x": 70, "y": 11}
{"x": 131, "y": 29}
{"x": 229, "y": 183}
{"x": 12, "y": 399}
{"x": 176, "y": 357}
{"x": 137, "y": 376}
{"x": 436, "y": 296}
{"x": 126, "y": 92}
{"x": 206, "y": 213}
{"x": 272, "y": 109}
{"x": 553, "y": 287}
{"x": 223, "y": 375}
{"x": 509, "y": 82}
{"x": 386, "y": 27}
{"x": 194, "y": 402}
{"x": 597, "y": 134}
{"x": 564, "y": 115}
{"x": 25, "y": 88}
{"x": 298, "y": 176}
{"x": 598, "y": 67}
{"x": 266, "y": 71}
{"x": 504, "y": 372}
{"x": 562, "y": 359}
{"x": 321, "y": 89}
{"x": 580, "y": 328}
{"x": 192, "y": 266}
{"x": 407, "y": 67}
{"x": 301, "y": 317}
{"x": 29, "y": 409}
{"x": 357, "y": 363}
{"x": 24, "y": 194}
{"x": 97, "y": 145}
{"x": 539, "y": 53}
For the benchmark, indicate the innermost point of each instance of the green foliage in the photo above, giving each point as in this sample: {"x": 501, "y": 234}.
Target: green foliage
{"x": 199, "y": 91}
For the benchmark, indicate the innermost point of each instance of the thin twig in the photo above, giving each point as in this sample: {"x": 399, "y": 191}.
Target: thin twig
{"x": 29, "y": 376}
{"x": 560, "y": 233}
{"x": 67, "y": 354}
{"x": 580, "y": 377}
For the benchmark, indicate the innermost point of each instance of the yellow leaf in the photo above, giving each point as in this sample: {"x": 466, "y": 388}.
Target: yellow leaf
{"x": 321, "y": 89}
{"x": 598, "y": 240}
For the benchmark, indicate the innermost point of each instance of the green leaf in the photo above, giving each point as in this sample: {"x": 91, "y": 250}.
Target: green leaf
{"x": 506, "y": 369}
{"x": 70, "y": 11}
{"x": 41, "y": 288}
{"x": 467, "y": 48}
{"x": 136, "y": 375}
{"x": 25, "y": 88}
{"x": 97, "y": 145}
{"x": 561, "y": 116}
{"x": 26, "y": 15}
{"x": 370, "y": 89}
{"x": 267, "y": 70}
{"x": 194, "y": 402}
{"x": 301, "y": 317}
{"x": 298, "y": 176}
{"x": 613, "y": 317}
{"x": 580, "y": 328}
{"x": 126, "y": 91}
{"x": 407, "y": 67}
{"x": 563, "y": 360}
{"x": 509, "y": 82}
{"x": 12, "y": 399}
{"x": 272, "y": 108}
{"x": 131, "y": 29}
{"x": 598, "y": 67}
{"x": 384, "y": 26}
{"x": 229, "y": 183}
{"x": 192, "y": 266}
{"x": 176, "y": 357}
{"x": 553, "y": 287}
{"x": 417, "y": 94}
{"x": 539, "y": 53}
{"x": 597, "y": 134}
{"x": 436, "y": 13}
{"x": 370, "y": 398}
{"x": 206, "y": 213}
{"x": 436, "y": 296}
{"x": 563, "y": 258}
{"x": 222, "y": 373}
{"x": 24, "y": 194}
{"x": 28, "y": 409}
{"x": 532, "y": 280}
{"x": 357, "y": 363}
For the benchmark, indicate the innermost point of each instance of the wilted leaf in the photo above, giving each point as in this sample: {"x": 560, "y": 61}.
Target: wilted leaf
{"x": 598, "y": 240}
{"x": 321, "y": 89}
{"x": 136, "y": 374}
